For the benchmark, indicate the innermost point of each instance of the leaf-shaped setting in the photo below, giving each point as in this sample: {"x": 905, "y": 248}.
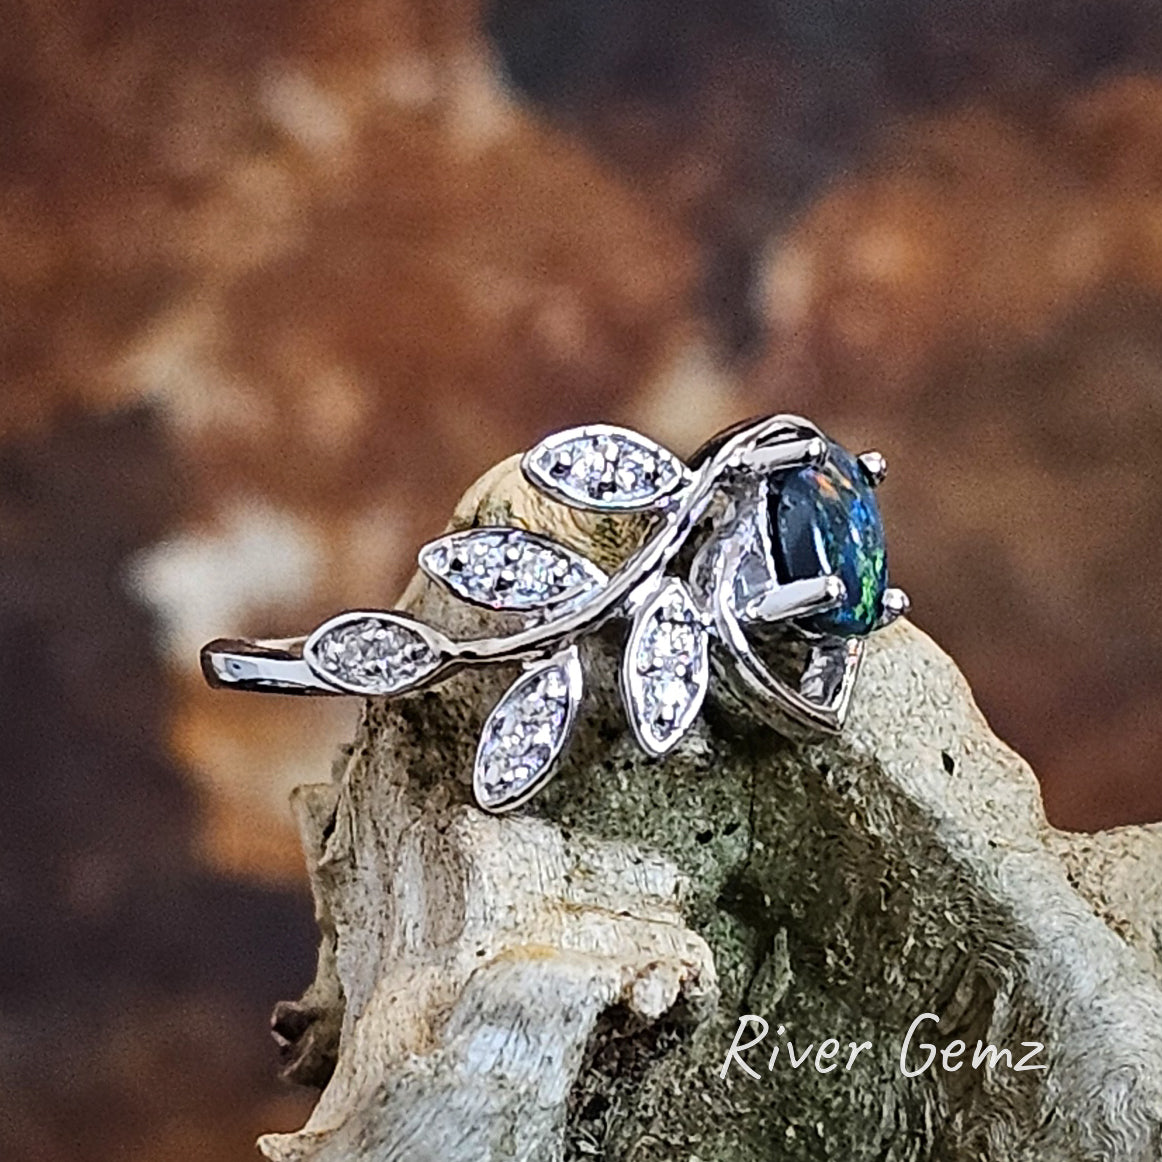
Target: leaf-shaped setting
{"x": 604, "y": 468}
{"x": 666, "y": 668}
{"x": 374, "y": 653}
{"x": 504, "y": 568}
{"x": 526, "y": 732}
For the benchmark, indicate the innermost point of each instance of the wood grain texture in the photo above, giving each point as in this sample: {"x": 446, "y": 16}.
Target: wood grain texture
{"x": 564, "y": 983}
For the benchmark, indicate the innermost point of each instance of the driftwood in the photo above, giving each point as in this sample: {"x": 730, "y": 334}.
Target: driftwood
{"x": 567, "y": 982}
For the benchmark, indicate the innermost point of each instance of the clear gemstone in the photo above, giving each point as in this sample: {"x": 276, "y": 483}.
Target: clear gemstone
{"x": 509, "y": 568}
{"x": 527, "y": 731}
{"x": 667, "y": 668}
{"x": 373, "y": 655}
{"x": 604, "y": 470}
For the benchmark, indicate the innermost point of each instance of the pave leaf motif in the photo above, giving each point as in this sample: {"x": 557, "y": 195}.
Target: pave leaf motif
{"x": 606, "y": 469}
{"x": 526, "y": 732}
{"x": 785, "y": 523}
{"x": 371, "y": 653}
{"x": 666, "y": 668}
{"x": 510, "y": 569}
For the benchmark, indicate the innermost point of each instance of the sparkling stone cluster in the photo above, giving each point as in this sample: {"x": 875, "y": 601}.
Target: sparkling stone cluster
{"x": 669, "y": 654}
{"x": 771, "y": 503}
{"x": 523, "y": 735}
{"x": 608, "y": 470}
{"x": 506, "y": 568}
{"x": 375, "y": 656}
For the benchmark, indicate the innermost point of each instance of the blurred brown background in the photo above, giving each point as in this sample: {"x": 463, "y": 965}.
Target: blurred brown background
{"x": 279, "y": 278}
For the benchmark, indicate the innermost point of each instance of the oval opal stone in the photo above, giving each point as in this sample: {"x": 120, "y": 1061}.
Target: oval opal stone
{"x": 826, "y": 520}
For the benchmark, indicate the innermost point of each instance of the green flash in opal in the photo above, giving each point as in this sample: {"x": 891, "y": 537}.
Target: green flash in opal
{"x": 826, "y": 521}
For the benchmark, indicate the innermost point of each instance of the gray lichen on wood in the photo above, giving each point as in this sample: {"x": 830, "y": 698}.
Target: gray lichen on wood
{"x": 564, "y": 983}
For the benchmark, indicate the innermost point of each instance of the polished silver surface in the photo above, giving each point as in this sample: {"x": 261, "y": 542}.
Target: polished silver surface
{"x": 732, "y": 589}
{"x": 896, "y": 603}
{"x": 780, "y": 456}
{"x": 819, "y": 703}
{"x": 874, "y": 466}
{"x": 261, "y": 666}
{"x": 795, "y": 599}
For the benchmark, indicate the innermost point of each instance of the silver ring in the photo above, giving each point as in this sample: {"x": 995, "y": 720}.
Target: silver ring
{"x": 788, "y": 561}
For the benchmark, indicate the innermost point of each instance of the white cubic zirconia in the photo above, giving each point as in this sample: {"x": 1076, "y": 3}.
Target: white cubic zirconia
{"x": 667, "y": 668}
{"x": 373, "y": 655}
{"x": 526, "y": 731}
{"x": 504, "y": 568}
{"x": 608, "y": 469}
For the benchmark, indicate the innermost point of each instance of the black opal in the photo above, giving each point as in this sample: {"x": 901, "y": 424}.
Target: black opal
{"x": 826, "y": 521}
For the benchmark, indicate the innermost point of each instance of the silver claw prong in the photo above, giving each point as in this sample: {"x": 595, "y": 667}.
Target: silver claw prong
{"x": 895, "y": 603}
{"x": 874, "y": 466}
{"x": 781, "y": 456}
{"x": 817, "y": 451}
{"x": 796, "y": 599}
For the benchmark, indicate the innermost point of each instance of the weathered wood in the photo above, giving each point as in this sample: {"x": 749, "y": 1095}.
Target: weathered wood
{"x": 565, "y": 983}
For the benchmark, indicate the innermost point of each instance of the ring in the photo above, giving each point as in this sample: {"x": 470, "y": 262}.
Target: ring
{"x": 786, "y": 569}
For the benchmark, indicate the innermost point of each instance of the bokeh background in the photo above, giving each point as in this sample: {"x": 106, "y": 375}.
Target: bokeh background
{"x": 279, "y": 278}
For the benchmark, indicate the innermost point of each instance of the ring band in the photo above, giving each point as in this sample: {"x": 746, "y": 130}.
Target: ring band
{"x": 786, "y": 532}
